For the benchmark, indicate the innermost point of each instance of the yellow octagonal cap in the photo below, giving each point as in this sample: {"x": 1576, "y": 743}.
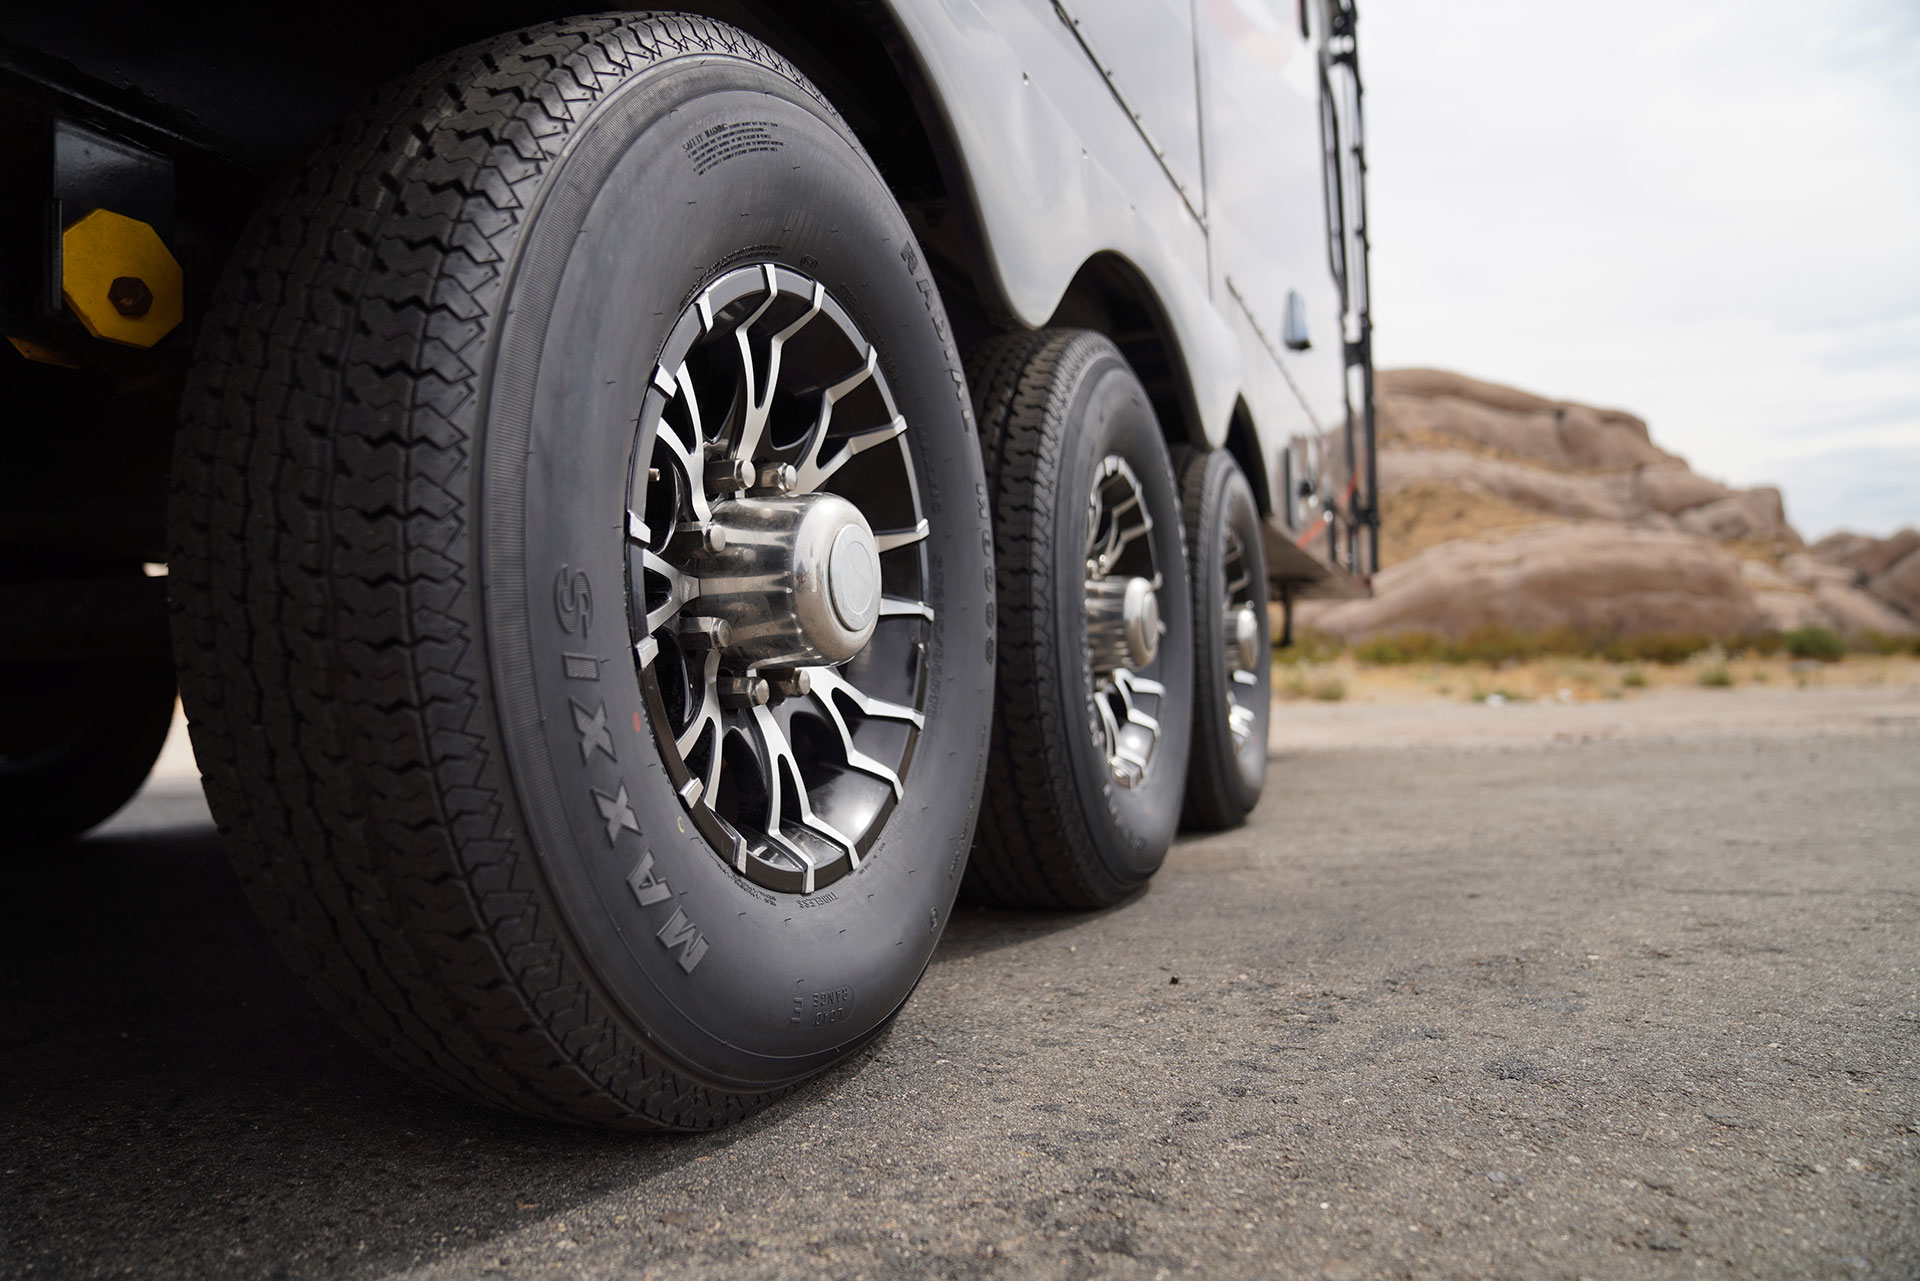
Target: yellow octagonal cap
{"x": 116, "y": 274}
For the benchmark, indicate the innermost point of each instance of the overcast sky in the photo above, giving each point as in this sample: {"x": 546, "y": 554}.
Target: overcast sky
{"x": 1707, "y": 213}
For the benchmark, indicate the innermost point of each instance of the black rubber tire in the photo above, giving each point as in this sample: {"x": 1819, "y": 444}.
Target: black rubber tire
{"x": 1223, "y": 784}
{"x": 415, "y": 402}
{"x": 81, "y": 738}
{"x": 1055, "y": 832}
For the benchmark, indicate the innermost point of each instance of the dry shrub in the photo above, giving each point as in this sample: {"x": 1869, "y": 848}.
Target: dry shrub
{"x": 1495, "y": 644}
{"x": 1816, "y": 642}
{"x": 1884, "y": 645}
{"x": 1310, "y": 646}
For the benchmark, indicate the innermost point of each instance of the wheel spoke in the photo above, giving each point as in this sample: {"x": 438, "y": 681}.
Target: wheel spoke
{"x": 826, "y": 683}
{"x": 714, "y": 760}
{"x": 812, "y": 472}
{"x": 777, "y": 754}
{"x": 754, "y": 422}
{"x": 1126, "y": 684}
{"x": 693, "y": 478}
{"x": 681, "y": 588}
{"x": 1118, "y": 538}
{"x": 894, "y": 539}
{"x": 1116, "y": 516}
{"x": 784, "y": 767}
{"x": 828, "y": 680}
{"x": 707, "y": 714}
{"x": 743, "y": 339}
{"x": 816, "y": 474}
{"x": 685, "y": 382}
{"x": 1109, "y": 726}
{"x": 894, "y": 607}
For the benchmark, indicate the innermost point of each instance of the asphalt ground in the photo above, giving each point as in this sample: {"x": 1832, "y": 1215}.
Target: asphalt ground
{"x": 1617, "y": 1008}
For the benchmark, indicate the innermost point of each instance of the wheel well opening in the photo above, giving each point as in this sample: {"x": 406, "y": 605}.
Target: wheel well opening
{"x": 855, "y": 53}
{"x": 1111, "y": 296}
{"x": 1244, "y": 445}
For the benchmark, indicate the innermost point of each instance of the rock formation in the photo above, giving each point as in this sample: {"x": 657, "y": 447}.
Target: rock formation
{"x": 1503, "y": 507}
{"x": 1886, "y": 568}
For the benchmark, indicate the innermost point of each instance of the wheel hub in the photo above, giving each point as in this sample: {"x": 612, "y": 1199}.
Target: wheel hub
{"x": 1123, "y": 623}
{"x": 796, "y": 580}
{"x": 1243, "y": 639}
{"x": 1242, "y": 693}
{"x": 853, "y": 576}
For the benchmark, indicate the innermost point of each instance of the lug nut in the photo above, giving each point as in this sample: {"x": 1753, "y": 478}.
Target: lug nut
{"x": 130, "y": 296}
{"x": 777, "y": 478}
{"x": 729, "y": 475}
{"x": 739, "y": 692}
{"x": 691, "y": 540}
{"x": 791, "y": 682}
{"x": 705, "y": 633}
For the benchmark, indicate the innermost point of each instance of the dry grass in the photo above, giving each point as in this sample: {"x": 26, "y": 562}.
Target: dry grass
{"x": 1565, "y": 679}
{"x": 1311, "y": 681}
{"x": 1400, "y": 438}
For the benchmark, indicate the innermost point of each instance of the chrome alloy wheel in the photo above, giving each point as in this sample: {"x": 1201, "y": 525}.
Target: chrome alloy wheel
{"x": 1123, "y": 622}
{"x": 777, "y": 578}
{"x": 1241, "y": 627}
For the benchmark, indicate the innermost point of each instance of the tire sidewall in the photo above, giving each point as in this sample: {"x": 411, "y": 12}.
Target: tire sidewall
{"x": 782, "y": 985}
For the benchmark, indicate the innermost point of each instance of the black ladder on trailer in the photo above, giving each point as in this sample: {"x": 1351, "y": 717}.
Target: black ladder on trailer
{"x": 1343, "y": 143}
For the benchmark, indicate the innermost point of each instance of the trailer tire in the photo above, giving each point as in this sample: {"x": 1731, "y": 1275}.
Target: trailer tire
{"x": 419, "y": 516}
{"x": 1232, "y": 674}
{"x": 1057, "y": 829}
{"x": 80, "y": 739}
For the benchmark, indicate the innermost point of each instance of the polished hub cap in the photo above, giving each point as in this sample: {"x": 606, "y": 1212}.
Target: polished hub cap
{"x": 777, "y": 579}
{"x": 853, "y": 577}
{"x": 781, "y": 579}
{"x": 1123, "y": 622}
{"x": 1243, "y": 638}
{"x": 1242, "y": 631}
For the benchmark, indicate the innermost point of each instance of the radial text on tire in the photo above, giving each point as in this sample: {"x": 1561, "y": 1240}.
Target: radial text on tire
{"x": 1232, "y": 653}
{"x": 1096, "y": 663}
{"x": 523, "y": 410}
